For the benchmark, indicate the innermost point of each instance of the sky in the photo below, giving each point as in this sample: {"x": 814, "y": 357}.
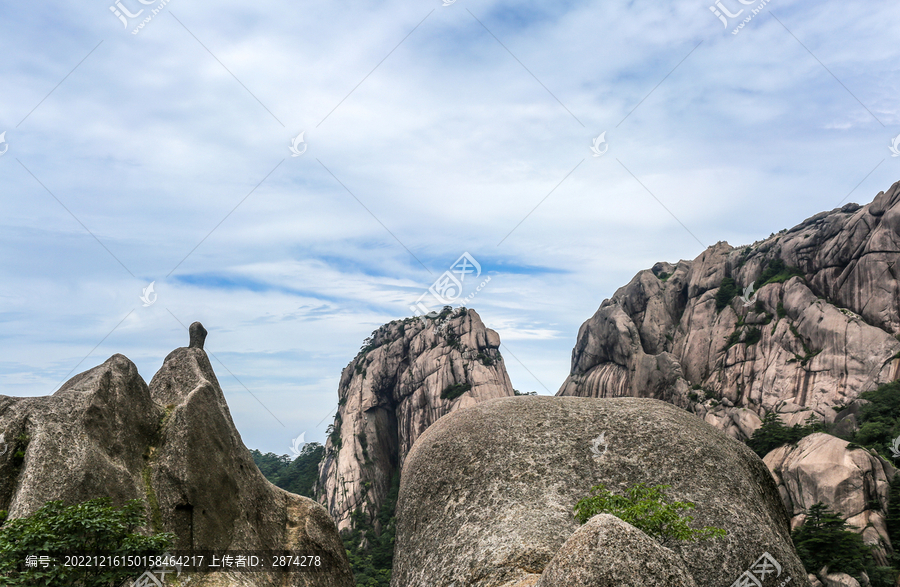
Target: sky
{"x": 295, "y": 174}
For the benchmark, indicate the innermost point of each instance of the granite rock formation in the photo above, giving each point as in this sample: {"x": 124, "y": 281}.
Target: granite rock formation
{"x": 408, "y": 374}
{"x": 854, "y": 482}
{"x": 172, "y": 445}
{"x": 817, "y": 329}
{"x": 487, "y": 493}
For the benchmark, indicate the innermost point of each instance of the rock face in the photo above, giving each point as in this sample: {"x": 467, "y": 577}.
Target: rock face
{"x": 487, "y": 493}
{"x": 802, "y": 343}
{"x": 172, "y": 445}
{"x": 395, "y": 388}
{"x": 607, "y": 552}
{"x": 821, "y": 468}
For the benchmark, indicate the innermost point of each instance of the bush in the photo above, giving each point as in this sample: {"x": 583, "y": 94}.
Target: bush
{"x": 777, "y": 271}
{"x": 754, "y": 335}
{"x": 727, "y": 291}
{"x": 454, "y": 391}
{"x": 647, "y": 509}
{"x": 92, "y": 527}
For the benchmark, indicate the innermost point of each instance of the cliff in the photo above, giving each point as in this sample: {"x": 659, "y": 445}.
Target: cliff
{"x": 408, "y": 374}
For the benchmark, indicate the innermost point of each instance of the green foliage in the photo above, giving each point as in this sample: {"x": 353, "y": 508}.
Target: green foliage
{"x": 517, "y": 392}
{"x": 693, "y": 396}
{"x": 773, "y": 433}
{"x": 825, "y": 539}
{"x": 727, "y": 291}
{"x": 879, "y": 420}
{"x": 893, "y": 511}
{"x": 454, "y": 391}
{"x": 780, "y": 310}
{"x": 486, "y": 360}
{"x": 92, "y": 527}
{"x": 372, "y": 563}
{"x": 663, "y": 276}
{"x": 753, "y": 336}
{"x": 298, "y": 475}
{"x": 647, "y": 509}
{"x": 777, "y": 271}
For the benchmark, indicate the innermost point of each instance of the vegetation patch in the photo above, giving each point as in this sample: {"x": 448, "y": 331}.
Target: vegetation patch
{"x": 825, "y": 539}
{"x": 298, "y": 475}
{"x": 648, "y": 509}
{"x": 89, "y": 528}
{"x": 727, "y": 292}
{"x": 777, "y": 271}
{"x": 773, "y": 433}
{"x": 452, "y": 392}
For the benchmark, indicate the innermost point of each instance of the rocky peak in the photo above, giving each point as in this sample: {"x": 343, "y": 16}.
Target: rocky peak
{"x": 172, "y": 445}
{"x": 408, "y": 374}
{"x": 796, "y": 323}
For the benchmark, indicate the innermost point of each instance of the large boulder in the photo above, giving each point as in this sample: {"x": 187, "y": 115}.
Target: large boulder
{"x": 607, "y": 552}
{"x": 172, "y": 445}
{"x": 852, "y": 482}
{"x": 487, "y": 493}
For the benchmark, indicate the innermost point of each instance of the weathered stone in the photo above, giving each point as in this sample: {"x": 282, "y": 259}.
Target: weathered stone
{"x": 487, "y": 493}
{"x": 172, "y": 445}
{"x": 820, "y": 468}
{"x": 607, "y": 552}
{"x": 198, "y": 335}
{"x": 392, "y": 391}
{"x": 659, "y": 338}
{"x": 839, "y": 580}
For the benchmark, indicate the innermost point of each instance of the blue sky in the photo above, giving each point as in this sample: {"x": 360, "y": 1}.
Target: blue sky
{"x": 163, "y": 156}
